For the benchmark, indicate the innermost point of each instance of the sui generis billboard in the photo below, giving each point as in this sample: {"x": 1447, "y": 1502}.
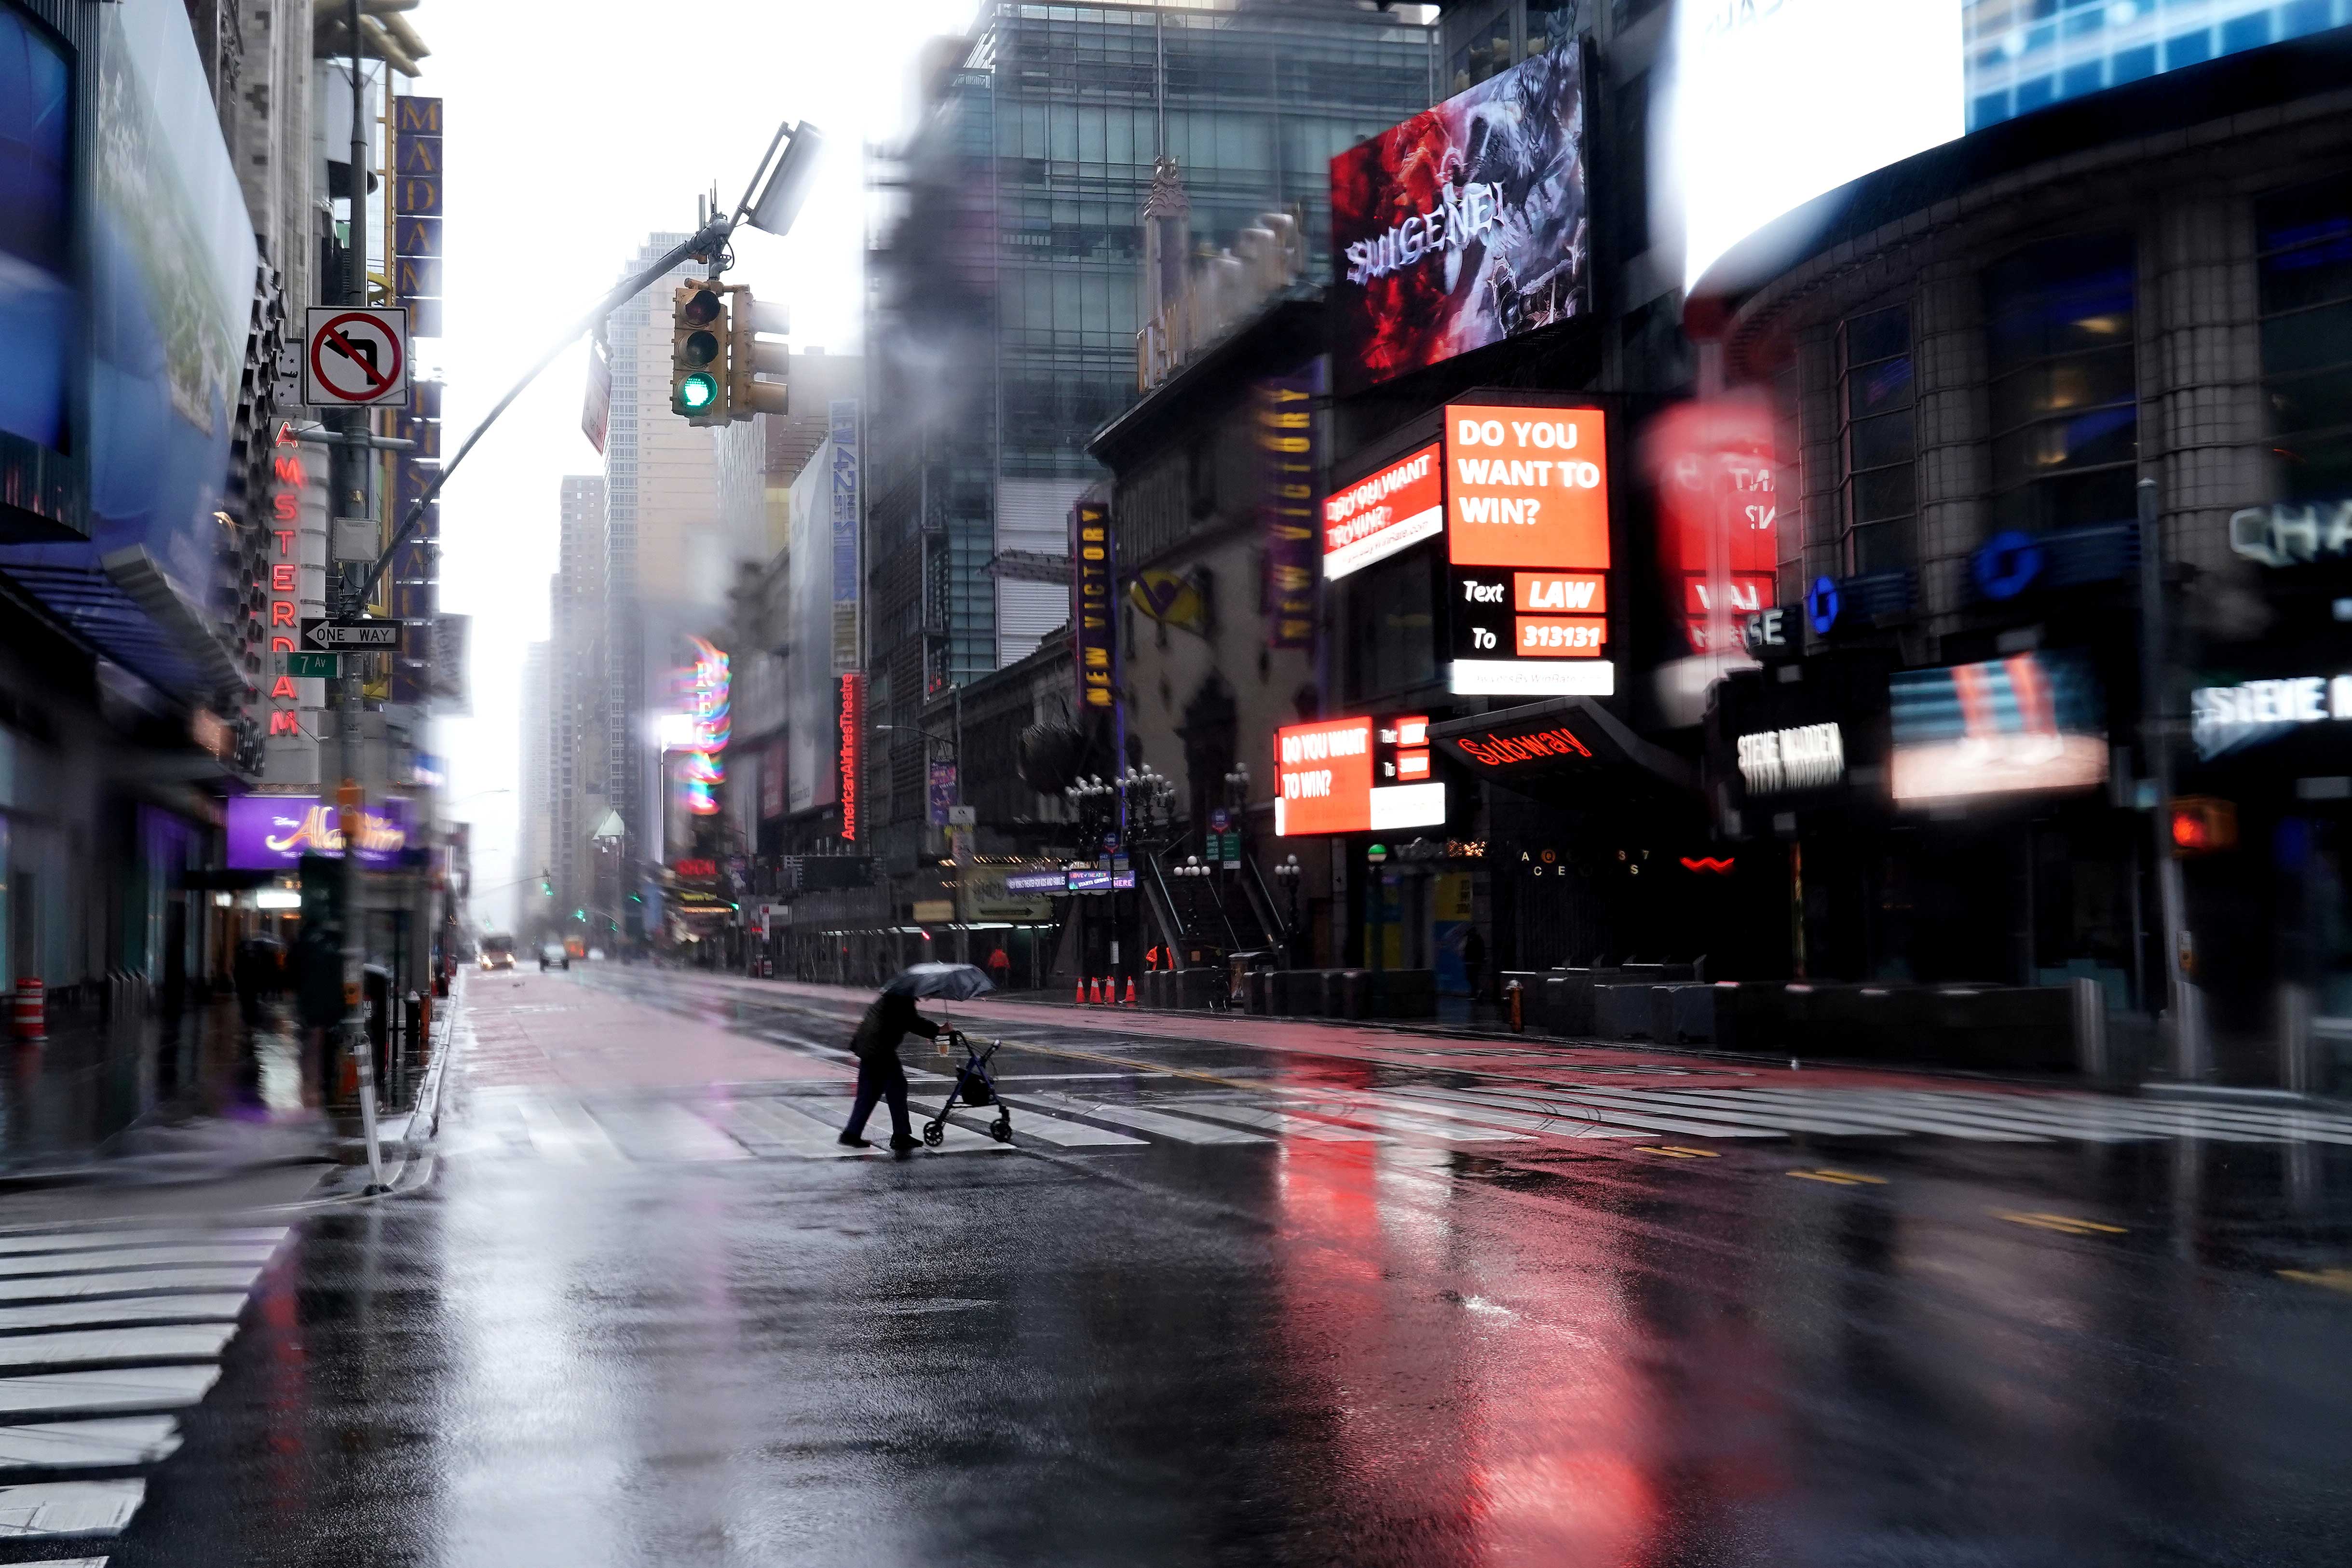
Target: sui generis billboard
{"x": 1463, "y": 227}
{"x": 1856, "y": 85}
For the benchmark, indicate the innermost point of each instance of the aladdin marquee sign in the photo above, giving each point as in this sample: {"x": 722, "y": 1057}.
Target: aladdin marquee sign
{"x": 273, "y": 833}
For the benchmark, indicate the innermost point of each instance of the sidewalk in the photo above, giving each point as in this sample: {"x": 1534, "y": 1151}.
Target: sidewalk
{"x": 153, "y": 1099}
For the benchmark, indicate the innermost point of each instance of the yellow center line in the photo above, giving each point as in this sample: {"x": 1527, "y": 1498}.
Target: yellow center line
{"x": 1840, "y": 1178}
{"x": 2064, "y": 1224}
{"x": 1675, "y": 1151}
{"x": 2326, "y": 1279}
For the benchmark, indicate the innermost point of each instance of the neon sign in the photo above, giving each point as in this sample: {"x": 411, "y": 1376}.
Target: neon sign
{"x": 706, "y": 695}
{"x": 852, "y": 729}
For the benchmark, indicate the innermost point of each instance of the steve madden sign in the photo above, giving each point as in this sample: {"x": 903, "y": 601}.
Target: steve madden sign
{"x": 2293, "y": 533}
{"x": 2225, "y": 718}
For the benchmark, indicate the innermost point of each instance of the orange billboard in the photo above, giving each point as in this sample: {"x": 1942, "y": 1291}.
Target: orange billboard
{"x": 1324, "y": 772}
{"x": 1527, "y": 486}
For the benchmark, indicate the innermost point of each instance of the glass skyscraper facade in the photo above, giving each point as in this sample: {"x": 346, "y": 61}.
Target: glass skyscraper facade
{"x": 1008, "y": 286}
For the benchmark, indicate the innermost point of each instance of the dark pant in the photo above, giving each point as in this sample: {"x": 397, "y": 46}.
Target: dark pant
{"x": 880, "y": 1078}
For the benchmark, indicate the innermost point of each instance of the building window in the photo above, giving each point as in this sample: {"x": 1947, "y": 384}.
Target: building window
{"x": 2066, "y": 409}
{"x": 2303, "y": 244}
{"x": 1392, "y": 631}
{"x": 1487, "y": 53}
{"x": 1879, "y": 437}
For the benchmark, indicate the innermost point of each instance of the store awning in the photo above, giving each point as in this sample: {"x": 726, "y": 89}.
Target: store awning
{"x": 1568, "y": 742}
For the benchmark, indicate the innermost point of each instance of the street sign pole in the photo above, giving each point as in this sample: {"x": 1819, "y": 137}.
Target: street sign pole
{"x": 354, "y": 500}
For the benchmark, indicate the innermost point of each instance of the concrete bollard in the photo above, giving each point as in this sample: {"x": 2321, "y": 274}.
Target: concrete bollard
{"x": 2089, "y": 1007}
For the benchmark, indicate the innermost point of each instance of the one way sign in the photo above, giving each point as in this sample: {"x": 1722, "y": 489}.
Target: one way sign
{"x": 329, "y": 636}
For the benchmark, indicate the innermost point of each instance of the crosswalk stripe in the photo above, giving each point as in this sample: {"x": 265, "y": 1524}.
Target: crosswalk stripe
{"x": 1143, "y": 1121}
{"x": 130, "y": 1388}
{"x": 1883, "y": 1115}
{"x": 90, "y": 1444}
{"x": 564, "y": 1131}
{"x": 155, "y": 1256}
{"x": 1279, "y": 1122}
{"x": 667, "y": 1135}
{"x": 143, "y": 1281}
{"x": 124, "y": 1310}
{"x": 2014, "y": 1119}
{"x": 1443, "y": 1125}
{"x": 110, "y": 1241}
{"x": 177, "y": 1341}
{"x": 69, "y": 1508}
{"x": 1035, "y": 1126}
{"x": 1489, "y": 1114}
{"x": 1636, "y": 1121}
{"x": 66, "y": 1562}
{"x": 1704, "y": 1103}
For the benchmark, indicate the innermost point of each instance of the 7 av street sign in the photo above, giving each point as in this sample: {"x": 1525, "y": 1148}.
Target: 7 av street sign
{"x": 362, "y": 636}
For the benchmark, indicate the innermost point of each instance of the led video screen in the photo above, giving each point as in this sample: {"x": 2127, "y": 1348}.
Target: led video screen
{"x": 2031, "y": 723}
{"x": 1777, "y": 104}
{"x": 37, "y": 298}
{"x": 1462, "y": 226}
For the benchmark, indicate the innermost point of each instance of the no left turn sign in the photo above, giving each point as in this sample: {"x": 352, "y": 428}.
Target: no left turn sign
{"x": 356, "y": 358}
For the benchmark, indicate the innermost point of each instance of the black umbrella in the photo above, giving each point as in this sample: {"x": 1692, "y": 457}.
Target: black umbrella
{"x": 953, "y": 982}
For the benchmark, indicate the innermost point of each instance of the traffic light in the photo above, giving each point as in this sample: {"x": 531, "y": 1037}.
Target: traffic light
{"x": 698, "y": 377}
{"x": 754, "y": 349}
{"x": 546, "y": 885}
{"x": 2202, "y": 825}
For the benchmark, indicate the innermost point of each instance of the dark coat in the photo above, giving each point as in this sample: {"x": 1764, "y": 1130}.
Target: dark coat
{"x": 318, "y": 966}
{"x": 890, "y": 1019}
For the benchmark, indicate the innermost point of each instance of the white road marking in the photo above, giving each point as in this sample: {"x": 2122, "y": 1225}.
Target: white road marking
{"x": 125, "y": 1310}
{"x": 69, "y": 1508}
{"x": 178, "y": 1341}
{"x": 564, "y": 1131}
{"x": 32, "y": 1264}
{"x": 89, "y": 1444}
{"x": 1275, "y": 1121}
{"x": 132, "y": 1388}
{"x": 108, "y": 1240}
{"x": 1037, "y": 1126}
{"x": 1143, "y": 1121}
{"x": 1444, "y": 1125}
{"x": 60, "y": 1287}
{"x": 667, "y": 1133}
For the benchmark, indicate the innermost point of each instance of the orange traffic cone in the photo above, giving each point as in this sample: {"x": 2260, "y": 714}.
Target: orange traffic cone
{"x": 1093, "y": 993}
{"x": 1130, "y": 992}
{"x": 1080, "y": 1000}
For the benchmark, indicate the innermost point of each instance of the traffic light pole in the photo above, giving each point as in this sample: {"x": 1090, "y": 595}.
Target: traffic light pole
{"x": 351, "y": 494}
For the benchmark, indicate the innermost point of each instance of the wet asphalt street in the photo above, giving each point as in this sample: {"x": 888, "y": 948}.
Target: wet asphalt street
{"x": 1238, "y": 1291}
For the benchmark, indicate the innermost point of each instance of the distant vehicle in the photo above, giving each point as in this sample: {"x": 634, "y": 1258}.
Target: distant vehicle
{"x": 574, "y": 945}
{"x": 498, "y": 952}
{"x": 551, "y": 955}
{"x": 595, "y": 955}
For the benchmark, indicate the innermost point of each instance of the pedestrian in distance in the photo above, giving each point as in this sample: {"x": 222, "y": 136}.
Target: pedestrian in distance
{"x": 1473, "y": 962}
{"x": 879, "y": 1077}
{"x": 999, "y": 966}
{"x": 317, "y": 968}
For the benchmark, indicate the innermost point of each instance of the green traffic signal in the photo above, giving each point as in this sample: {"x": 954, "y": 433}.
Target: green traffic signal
{"x": 697, "y": 391}
{"x": 579, "y": 914}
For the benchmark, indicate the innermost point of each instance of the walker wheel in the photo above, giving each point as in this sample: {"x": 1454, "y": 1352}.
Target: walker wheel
{"x": 934, "y": 1133}
{"x": 1000, "y": 1129}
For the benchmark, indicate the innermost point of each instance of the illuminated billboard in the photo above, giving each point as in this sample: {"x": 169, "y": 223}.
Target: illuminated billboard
{"x": 2030, "y": 723}
{"x": 1327, "y": 777}
{"x": 1856, "y": 85}
{"x": 1462, "y": 226}
{"x": 1383, "y": 512}
{"x": 1527, "y": 537}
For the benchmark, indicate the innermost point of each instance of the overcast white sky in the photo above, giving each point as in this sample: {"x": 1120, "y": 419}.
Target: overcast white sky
{"x": 573, "y": 132}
